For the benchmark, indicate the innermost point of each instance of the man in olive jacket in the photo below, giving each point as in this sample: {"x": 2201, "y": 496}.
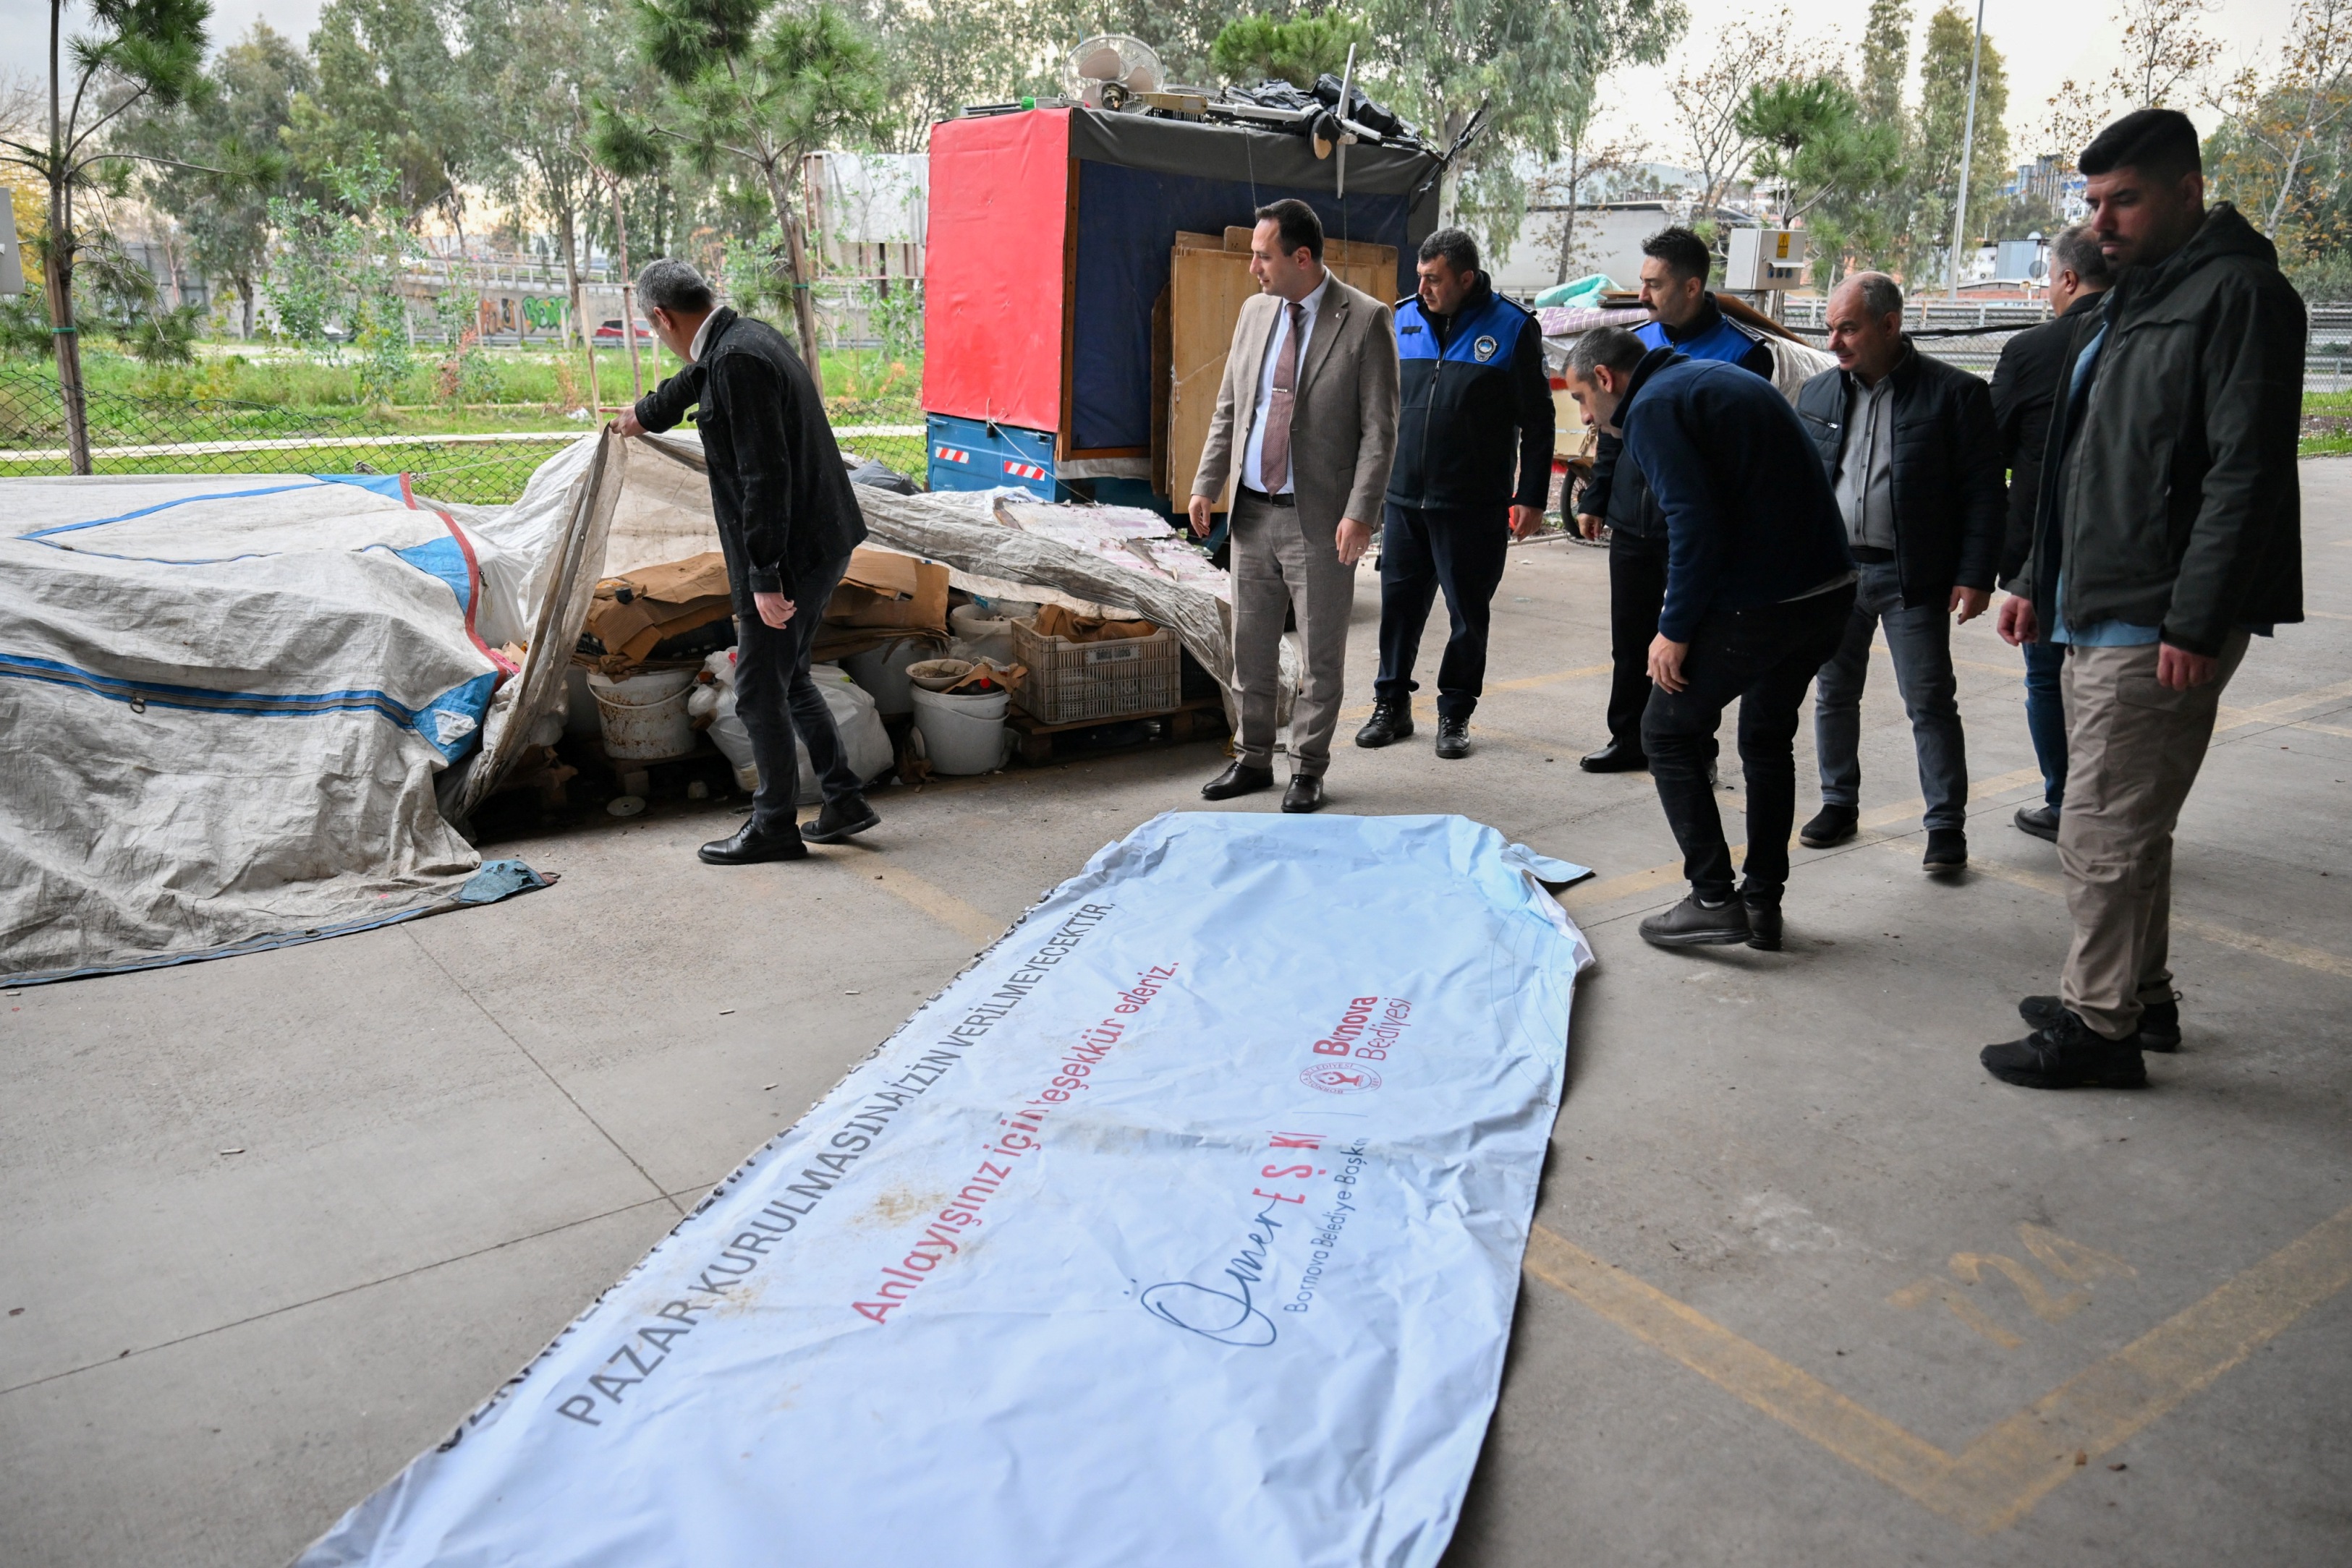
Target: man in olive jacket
{"x": 2169, "y": 531}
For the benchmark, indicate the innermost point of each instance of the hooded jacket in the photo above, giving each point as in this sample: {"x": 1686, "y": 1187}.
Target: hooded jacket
{"x": 2170, "y": 492}
{"x": 1474, "y": 413}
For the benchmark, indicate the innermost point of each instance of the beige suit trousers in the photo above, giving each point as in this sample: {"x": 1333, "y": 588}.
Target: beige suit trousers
{"x": 1281, "y": 564}
{"x": 2133, "y": 749}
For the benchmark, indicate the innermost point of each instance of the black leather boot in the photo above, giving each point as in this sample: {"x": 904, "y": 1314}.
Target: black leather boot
{"x": 1391, "y": 722}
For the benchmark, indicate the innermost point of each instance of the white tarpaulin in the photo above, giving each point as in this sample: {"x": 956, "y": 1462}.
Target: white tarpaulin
{"x": 1183, "y": 1227}
{"x": 229, "y": 701}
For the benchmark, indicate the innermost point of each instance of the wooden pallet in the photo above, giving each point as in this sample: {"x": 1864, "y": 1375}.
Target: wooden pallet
{"x": 1195, "y": 720}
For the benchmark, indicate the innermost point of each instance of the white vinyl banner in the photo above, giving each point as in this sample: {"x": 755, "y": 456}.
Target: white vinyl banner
{"x": 1183, "y": 1227}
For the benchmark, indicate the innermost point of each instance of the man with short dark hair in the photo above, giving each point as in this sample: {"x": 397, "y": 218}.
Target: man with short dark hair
{"x": 1907, "y": 444}
{"x": 787, "y": 523}
{"x": 2168, "y": 533}
{"x": 1472, "y": 470}
{"x": 1683, "y": 317}
{"x": 1759, "y": 588}
{"x": 1305, "y": 422}
{"x": 2024, "y": 386}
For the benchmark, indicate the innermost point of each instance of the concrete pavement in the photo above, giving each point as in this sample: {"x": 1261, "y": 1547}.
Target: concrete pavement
{"x": 1808, "y": 1286}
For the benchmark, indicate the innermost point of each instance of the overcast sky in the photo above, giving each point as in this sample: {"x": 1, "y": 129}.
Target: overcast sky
{"x": 2042, "y": 43}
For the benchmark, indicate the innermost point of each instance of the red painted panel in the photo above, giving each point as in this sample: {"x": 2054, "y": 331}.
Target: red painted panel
{"x": 992, "y": 268}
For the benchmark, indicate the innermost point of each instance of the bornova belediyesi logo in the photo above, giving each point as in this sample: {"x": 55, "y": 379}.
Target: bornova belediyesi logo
{"x": 1366, "y": 1033}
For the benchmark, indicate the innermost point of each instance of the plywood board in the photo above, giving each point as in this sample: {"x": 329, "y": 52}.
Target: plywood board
{"x": 1206, "y": 289}
{"x": 1337, "y": 253}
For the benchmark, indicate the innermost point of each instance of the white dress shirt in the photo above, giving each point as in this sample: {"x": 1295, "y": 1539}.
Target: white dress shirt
{"x": 1252, "y": 474}
{"x": 701, "y": 336}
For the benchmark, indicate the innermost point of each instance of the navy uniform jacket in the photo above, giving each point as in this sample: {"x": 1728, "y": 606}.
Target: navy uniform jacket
{"x": 1711, "y": 335}
{"x": 1471, "y": 388}
{"x": 1751, "y": 517}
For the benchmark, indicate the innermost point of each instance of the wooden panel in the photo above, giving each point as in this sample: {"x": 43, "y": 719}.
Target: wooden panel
{"x": 1335, "y": 252}
{"x": 1206, "y": 289}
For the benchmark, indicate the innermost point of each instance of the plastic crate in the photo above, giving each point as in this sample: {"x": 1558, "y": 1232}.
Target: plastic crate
{"x": 1072, "y": 683}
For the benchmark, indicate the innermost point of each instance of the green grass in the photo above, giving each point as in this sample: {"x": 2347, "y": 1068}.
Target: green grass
{"x": 2326, "y": 425}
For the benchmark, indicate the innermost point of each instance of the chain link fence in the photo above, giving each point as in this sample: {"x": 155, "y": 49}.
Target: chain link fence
{"x": 215, "y": 436}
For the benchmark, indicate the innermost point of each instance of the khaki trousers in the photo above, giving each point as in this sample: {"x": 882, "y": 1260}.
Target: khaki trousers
{"x": 1278, "y": 566}
{"x": 2133, "y": 750}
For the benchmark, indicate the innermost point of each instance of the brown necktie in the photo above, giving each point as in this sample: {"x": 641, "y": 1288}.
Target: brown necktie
{"x": 1274, "y": 453}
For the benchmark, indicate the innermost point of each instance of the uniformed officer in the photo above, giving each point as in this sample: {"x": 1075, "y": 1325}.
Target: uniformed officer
{"x": 1473, "y": 467}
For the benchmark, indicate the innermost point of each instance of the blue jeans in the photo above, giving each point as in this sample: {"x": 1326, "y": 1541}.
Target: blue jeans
{"x": 2046, "y": 718}
{"x": 1920, "y": 639}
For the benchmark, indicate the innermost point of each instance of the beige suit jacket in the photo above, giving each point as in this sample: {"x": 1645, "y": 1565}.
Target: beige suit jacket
{"x": 1343, "y": 414}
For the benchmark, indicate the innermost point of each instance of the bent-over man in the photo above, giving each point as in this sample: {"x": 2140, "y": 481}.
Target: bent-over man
{"x": 787, "y": 522}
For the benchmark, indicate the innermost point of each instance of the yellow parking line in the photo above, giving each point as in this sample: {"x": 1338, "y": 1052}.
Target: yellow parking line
{"x": 1996, "y": 1480}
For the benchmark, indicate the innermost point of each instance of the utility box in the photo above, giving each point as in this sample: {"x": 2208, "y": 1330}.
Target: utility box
{"x": 12, "y": 259}
{"x": 1761, "y": 260}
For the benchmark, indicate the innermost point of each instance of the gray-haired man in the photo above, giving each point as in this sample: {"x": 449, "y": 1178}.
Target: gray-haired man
{"x": 787, "y": 522}
{"x": 1909, "y": 447}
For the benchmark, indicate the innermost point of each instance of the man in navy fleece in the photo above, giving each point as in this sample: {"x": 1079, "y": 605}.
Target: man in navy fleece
{"x": 1758, "y": 587}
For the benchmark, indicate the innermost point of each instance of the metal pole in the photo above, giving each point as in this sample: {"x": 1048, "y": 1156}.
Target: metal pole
{"x": 1968, "y": 147}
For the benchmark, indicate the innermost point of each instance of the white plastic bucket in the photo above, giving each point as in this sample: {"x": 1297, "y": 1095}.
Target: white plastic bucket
{"x": 961, "y": 733}
{"x": 982, "y": 632}
{"x": 643, "y": 716}
{"x": 883, "y": 673}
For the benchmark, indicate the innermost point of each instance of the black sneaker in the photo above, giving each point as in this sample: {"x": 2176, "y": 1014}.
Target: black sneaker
{"x": 1391, "y": 722}
{"x": 2041, "y": 821}
{"x": 2069, "y": 1054}
{"x": 1948, "y": 850}
{"x": 1834, "y": 825}
{"x": 1692, "y": 924}
{"x": 840, "y": 820}
{"x": 2160, "y": 1022}
{"x": 1452, "y": 738}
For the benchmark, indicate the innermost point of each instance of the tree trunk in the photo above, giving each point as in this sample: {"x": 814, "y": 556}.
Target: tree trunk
{"x": 564, "y": 236}
{"x": 57, "y": 282}
{"x": 796, "y": 274}
{"x": 628, "y": 292}
{"x": 244, "y": 293}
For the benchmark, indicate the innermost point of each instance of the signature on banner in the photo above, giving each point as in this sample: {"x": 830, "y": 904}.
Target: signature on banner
{"x": 1227, "y": 1311}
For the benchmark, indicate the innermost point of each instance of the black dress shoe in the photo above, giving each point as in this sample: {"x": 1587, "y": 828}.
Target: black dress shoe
{"x": 2069, "y": 1054}
{"x": 1452, "y": 738}
{"x": 840, "y": 819}
{"x": 1391, "y": 722}
{"x": 1691, "y": 923}
{"x": 1239, "y": 778}
{"x": 749, "y": 846}
{"x": 1834, "y": 825}
{"x": 1304, "y": 794}
{"x": 2160, "y": 1022}
{"x": 2041, "y": 821}
{"x": 1617, "y": 757}
{"x": 1948, "y": 850}
{"x": 1763, "y": 923}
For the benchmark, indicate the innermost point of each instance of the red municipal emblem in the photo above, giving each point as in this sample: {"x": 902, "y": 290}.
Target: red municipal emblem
{"x": 1340, "y": 1077}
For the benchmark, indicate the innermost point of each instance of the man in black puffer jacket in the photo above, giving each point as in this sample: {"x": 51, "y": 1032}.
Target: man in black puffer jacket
{"x": 2170, "y": 531}
{"x": 1908, "y": 446}
{"x": 787, "y": 523}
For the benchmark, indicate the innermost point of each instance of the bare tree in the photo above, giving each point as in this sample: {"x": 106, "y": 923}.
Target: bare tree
{"x": 1709, "y": 98}
{"x": 2283, "y": 121}
{"x": 2168, "y": 55}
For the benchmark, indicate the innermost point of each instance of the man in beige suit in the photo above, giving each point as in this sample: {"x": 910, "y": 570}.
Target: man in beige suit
{"x": 1306, "y": 413}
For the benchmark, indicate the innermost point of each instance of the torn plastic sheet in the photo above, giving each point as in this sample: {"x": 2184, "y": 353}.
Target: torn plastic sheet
{"x": 1183, "y": 1227}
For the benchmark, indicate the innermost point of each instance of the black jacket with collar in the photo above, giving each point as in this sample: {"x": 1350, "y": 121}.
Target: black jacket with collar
{"x": 1948, "y": 494}
{"x": 780, "y": 492}
{"x": 2024, "y": 386}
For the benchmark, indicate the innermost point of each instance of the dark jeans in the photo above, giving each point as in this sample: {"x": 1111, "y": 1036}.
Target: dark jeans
{"x": 2046, "y": 718}
{"x": 1422, "y": 551}
{"x": 1765, "y": 658}
{"x": 1637, "y": 591}
{"x": 774, "y": 697}
{"x": 1920, "y": 639}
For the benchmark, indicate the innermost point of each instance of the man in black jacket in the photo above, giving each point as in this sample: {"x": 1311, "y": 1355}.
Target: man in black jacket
{"x": 1472, "y": 465}
{"x": 787, "y": 522}
{"x": 2168, "y": 532}
{"x": 1683, "y": 317}
{"x": 1907, "y": 443}
{"x": 2024, "y": 386}
{"x": 1758, "y": 587}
